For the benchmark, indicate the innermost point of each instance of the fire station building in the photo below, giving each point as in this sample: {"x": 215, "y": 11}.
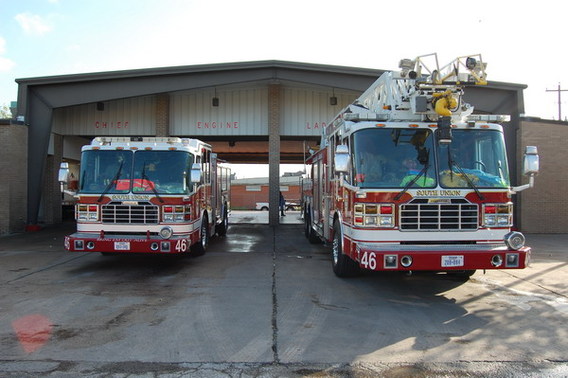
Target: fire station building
{"x": 250, "y": 112}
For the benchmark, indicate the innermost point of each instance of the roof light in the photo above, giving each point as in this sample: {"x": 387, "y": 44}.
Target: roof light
{"x": 489, "y": 117}
{"x": 365, "y": 117}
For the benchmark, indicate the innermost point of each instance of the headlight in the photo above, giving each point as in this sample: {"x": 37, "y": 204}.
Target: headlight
{"x": 87, "y": 213}
{"x": 176, "y": 213}
{"x": 374, "y": 215}
{"x": 497, "y": 215}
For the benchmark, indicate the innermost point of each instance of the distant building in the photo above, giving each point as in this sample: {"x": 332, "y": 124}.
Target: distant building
{"x": 293, "y": 174}
{"x": 246, "y": 193}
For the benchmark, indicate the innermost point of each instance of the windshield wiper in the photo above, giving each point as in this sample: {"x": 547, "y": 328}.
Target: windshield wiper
{"x": 453, "y": 163}
{"x": 145, "y": 177}
{"x": 111, "y": 182}
{"x": 412, "y": 182}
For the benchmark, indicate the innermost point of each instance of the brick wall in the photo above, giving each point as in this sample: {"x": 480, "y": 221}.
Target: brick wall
{"x": 544, "y": 208}
{"x": 14, "y": 182}
{"x": 274, "y": 96}
{"x": 163, "y": 115}
{"x": 243, "y": 199}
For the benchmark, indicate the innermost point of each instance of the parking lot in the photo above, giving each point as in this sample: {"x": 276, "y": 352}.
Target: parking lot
{"x": 265, "y": 302}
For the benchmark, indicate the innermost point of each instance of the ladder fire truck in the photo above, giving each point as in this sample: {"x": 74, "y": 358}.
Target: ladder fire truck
{"x": 407, "y": 178}
{"x": 149, "y": 195}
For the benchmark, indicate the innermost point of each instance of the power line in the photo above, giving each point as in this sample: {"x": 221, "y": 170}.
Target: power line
{"x": 559, "y": 99}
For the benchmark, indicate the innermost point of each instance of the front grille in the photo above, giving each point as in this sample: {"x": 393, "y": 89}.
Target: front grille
{"x": 116, "y": 212}
{"x": 420, "y": 215}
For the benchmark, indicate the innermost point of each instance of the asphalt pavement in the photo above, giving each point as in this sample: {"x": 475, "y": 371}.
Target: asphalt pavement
{"x": 263, "y": 302}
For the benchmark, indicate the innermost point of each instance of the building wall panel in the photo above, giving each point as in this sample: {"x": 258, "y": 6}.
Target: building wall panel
{"x": 241, "y": 111}
{"x": 306, "y": 111}
{"x": 130, "y": 116}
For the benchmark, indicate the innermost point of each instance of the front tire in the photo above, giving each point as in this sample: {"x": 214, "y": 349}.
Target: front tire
{"x": 199, "y": 248}
{"x": 224, "y": 226}
{"x": 342, "y": 264}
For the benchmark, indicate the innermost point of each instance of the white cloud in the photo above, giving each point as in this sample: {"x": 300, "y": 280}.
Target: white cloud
{"x": 6, "y": 64}
{"x": 33, "y": 24}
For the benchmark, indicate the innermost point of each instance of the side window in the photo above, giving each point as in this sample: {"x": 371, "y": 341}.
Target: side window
{"x": 349, "y": 175}
{"x": 206, "y": 166}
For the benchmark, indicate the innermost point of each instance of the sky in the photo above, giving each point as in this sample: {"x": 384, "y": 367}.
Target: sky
{"x": 521, "y": 41}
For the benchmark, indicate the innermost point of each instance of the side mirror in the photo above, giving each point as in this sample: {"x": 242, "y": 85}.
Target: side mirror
{"x": 530, "y": 168}
{"x": 341, "y": 159}
{"x": 530, "y": 161}
{"x": 195, "y": 173}
{"x": 63, "y": 175}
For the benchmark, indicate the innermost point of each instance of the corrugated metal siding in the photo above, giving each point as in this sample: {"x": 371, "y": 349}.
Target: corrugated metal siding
{"x": 132, "y": 116}
{"x": 242, "y": 111}
{"x": 306, "y": 111}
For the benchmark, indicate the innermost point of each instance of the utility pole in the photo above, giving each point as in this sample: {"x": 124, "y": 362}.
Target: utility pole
{"x": 559, "y": 99}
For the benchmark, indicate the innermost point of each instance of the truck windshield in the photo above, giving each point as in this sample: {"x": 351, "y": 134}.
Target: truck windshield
{"x": 477, "y": 154}
{"x": 393, "y": 158}
{"x": 119, "y": 171}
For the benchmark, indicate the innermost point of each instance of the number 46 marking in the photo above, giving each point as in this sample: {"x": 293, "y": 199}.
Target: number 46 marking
{"x": 181, "y": 245}
{"x": 369, "y": 260}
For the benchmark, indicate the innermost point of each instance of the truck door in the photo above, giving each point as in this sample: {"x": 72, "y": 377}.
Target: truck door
{"x": 318, "y": 193}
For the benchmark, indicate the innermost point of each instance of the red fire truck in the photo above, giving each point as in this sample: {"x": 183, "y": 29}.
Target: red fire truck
{"x": 149, "y": 195}
{"x": 407, "y": 178}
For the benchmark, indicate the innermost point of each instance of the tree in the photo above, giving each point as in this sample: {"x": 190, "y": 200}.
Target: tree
{"x": 5, "y": 112}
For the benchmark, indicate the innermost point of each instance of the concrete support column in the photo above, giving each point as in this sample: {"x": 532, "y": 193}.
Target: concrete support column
{"x": 274, "y": 94}
{"x": 163, "y": 115}
{"x": 51, "y": 193}
{"x": 40, "y": 117}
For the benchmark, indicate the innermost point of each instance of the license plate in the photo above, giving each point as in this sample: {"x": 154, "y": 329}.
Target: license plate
{"x": 122, "y": 246}
{"x": 451, "y": 261}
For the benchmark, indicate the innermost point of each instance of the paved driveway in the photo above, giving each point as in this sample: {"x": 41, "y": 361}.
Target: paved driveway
{"x": 264, "y": 302}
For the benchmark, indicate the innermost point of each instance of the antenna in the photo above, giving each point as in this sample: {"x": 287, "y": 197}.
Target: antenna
{"x": 559, "y": 99}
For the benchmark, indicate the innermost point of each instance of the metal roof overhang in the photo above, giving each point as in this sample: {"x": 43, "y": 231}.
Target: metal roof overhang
{"x": 67, "y": 90}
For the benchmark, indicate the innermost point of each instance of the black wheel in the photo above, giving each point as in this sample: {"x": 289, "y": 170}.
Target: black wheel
{"x": 264, "y": 208}
{"x": 224, "y": 226}
{"x": 342, "y": 264}
{"x": 307, "y": 224}
{"x": 309, "y": 231}
{"x": 199, "y": 248}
